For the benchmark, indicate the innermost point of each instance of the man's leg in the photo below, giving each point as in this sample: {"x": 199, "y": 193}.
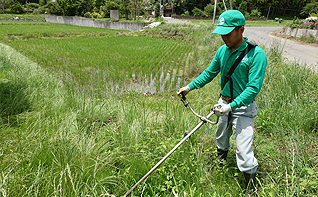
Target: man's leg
{"x": 222, "y": 135}
{"x": 246, "y": 162}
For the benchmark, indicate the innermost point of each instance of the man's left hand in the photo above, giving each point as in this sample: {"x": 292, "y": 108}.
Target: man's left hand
{"x": 222, "y": 109}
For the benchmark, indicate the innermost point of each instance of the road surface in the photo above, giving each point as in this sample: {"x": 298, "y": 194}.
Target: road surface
{"x": 291, "y": 50}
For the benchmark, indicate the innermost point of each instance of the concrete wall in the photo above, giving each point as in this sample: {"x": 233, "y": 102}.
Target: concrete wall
{"x": 295, "y": 32}
{"x": 81, "y": 21}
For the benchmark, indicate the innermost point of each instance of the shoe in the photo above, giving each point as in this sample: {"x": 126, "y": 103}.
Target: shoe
{"x": 250, "y": 181}
{"x": 222, "y": 154}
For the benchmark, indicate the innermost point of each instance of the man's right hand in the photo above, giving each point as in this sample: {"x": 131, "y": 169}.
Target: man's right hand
{"x": 185, "y": 90}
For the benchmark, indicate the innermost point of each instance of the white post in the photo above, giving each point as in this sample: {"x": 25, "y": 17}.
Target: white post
{"x": 224, "y": 5}
{"x": 215, "y": 2}
{"x": 160, "y": 11}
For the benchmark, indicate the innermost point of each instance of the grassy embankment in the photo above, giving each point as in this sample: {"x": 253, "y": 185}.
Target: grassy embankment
{"x": 58, "y": 140}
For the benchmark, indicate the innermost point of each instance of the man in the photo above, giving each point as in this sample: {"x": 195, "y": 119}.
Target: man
{"x": 247, "y": 81}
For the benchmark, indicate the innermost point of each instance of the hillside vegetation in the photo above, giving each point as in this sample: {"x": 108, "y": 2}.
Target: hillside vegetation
{"x": 60, "y": 139}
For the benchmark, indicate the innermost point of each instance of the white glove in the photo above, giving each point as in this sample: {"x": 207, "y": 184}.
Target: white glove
{"x": 222, "y": 109}
{"x": 185, "y": 90}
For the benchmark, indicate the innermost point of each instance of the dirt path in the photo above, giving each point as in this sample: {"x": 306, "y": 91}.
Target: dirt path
{"x": 303, "y": 53}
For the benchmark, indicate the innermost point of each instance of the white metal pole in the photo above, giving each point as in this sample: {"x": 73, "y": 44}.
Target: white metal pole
{"x": 224, "y": 5}
{"x": 215, "y": 2}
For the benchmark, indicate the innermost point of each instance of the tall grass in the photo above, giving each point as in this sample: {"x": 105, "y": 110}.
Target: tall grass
{"x": 57, "y": 140}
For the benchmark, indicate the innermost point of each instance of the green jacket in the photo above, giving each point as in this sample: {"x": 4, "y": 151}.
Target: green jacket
{"x": 247, "y": 78}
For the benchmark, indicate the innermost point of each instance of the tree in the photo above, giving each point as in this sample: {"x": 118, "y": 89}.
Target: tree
{"x": 3, "y": 4}
{"x": 197, "y": 12}
{"x": 69, "y": 7}
{"x": 17, "y": 8}
{"x": 310, "y": 8}
{"x": 54, "y": 8}
{"x": 110, "y": 5}
{"x": 209, "y": 10}
{"x": 125, "y": 8}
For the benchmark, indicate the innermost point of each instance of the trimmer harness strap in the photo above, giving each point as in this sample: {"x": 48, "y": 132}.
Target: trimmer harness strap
{"x": 237, "y": 61}
{"x": 228, "y": 77}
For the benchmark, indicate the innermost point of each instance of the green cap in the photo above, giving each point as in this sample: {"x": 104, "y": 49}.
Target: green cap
{"x": 228, "y": 21}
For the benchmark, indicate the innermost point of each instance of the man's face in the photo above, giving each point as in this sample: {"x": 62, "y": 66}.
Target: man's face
{"x": 234, "y": 39}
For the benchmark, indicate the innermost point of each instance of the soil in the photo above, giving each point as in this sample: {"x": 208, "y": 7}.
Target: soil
{"x": 281, "y": 34}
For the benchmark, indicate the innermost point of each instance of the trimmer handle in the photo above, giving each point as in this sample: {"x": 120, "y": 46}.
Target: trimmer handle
{"x": 184, "y": 100}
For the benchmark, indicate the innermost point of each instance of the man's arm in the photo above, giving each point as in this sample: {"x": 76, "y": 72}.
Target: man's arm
{"x": 255, "y": 80}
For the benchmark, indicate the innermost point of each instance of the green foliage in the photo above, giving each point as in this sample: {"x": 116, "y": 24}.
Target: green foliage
{"x": 17, "y": 8}
{"x": 310, "y": 8}
{"x": 295, "y": 23}
{"x": 54, "y": 8}
{"x": 33, "y": 6}
{"x": 209, "y": 10}
{"x": 69, "y": 7}
{"x": 255, "y": 13}
{"x": 110, "y": 5}
{"x": 197, "y": 12}
{"x": 88, "y": 15}
{"x": 42, "y": 2}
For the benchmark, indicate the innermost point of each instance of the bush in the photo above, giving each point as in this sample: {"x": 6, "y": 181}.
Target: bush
{"x": 17, "y": 8}
{"x": 33, "y": 6}
{"x": 88, "y": 15}
{"x": 96, "y": 15}
{"x": 105, "y": 10}
{"x": 310, "y": 8}
{"x": 255, "y": 13}
{"x": 55, "y": 9}
{"x": 209, "y": 9}
{"x": 197, "y": 12}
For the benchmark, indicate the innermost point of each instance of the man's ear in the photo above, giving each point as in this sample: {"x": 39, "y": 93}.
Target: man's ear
{"x": 242, "y": 29}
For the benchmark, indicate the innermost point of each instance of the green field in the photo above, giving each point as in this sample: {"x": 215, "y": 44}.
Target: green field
{"x": 102, "y": 58}
{"x": 64, "y": 133}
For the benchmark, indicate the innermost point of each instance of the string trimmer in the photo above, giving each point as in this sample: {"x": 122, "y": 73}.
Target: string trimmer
{"x": 203, "y": 121}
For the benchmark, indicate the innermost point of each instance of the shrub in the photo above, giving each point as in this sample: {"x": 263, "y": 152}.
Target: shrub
{"x": 310, "y": 8}
{"x": 88, "y": 15}
{"x": 17, "y": 8}
{"x": 209, "y": 9}
{"x": 105, "y": 10}
{"x": 33, "y": 6}
{"x": 295, "y": 22}
{"x": 55, "y": 9}
{"x": 255, "y": 13}
{"x": 96, "y": 15}
{"x": 197, "y": 12}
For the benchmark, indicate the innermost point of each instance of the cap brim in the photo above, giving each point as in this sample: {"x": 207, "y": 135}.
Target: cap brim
{"x": 222, "y": 30}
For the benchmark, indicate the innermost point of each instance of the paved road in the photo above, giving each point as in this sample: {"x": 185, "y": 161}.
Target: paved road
{"x": 292, "y": 51}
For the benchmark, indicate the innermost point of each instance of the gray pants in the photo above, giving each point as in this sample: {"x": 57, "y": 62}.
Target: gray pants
{"x": 242, "y": 121}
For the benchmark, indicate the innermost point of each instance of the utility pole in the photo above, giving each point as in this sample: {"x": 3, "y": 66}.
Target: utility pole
{"x": 215, "y": 2}
{"x": 160, "y": 11}
{"x": 269, "y": 9}
{"x": 224, "y": 6}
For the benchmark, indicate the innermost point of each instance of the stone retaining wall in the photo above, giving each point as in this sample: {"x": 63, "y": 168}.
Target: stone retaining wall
{"x": 295, "y": 32}
{"x": 81, "y": 21}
